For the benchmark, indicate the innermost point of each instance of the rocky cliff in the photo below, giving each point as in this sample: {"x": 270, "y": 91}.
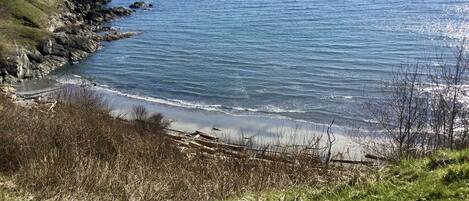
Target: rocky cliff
{"x": 37, "y": 36}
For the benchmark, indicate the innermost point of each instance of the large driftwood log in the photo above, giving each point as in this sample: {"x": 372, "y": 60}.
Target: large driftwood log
{"x": 352, "y": 162}
{"x": 370, "y": 156}
{"x": 199, "y": 142}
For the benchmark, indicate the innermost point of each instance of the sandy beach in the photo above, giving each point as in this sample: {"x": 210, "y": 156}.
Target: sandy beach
{"x": 261, "y": 129}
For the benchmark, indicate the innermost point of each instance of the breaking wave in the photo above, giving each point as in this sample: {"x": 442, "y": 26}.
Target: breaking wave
{"x": 80, "y": 81}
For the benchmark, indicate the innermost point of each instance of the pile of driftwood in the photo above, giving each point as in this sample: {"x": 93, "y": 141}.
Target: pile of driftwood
{"x": 203, "y": 143}
{"x": 209, "y": 145}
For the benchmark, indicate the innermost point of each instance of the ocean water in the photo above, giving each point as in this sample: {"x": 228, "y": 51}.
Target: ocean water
{"x": 307, "y": 60}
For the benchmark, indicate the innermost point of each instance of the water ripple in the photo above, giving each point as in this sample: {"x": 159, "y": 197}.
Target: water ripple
{"x": 305, "y": 59}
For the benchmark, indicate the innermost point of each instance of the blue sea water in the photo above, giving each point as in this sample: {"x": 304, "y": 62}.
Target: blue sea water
{"x": 310, "y": 60}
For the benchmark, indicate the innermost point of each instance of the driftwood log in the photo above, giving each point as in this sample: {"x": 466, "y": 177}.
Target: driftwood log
{"x": 369, "y": 163}
{"x": 208, "y": 145}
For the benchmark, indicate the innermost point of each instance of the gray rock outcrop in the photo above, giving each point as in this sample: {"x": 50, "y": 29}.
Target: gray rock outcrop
{"x": 74, "y": 36}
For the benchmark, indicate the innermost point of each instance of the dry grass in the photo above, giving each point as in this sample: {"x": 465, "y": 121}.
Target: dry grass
{"x": 77, "y": 151}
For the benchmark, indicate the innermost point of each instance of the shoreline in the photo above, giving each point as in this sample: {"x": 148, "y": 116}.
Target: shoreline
{"x": 261, "y": 129}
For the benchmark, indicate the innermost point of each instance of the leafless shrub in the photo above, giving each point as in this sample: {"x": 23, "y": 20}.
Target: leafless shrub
{"x": 139, "y": 113}
{"x": 81, "y": 96}
{"x": 420, "y": 112}
{"x": 402, "y": 113}
{"x": 330, "y": 142}
{"x": 158, "y": 122}
{"x": 448, "y": 118}
{"x": 149, "y": 122}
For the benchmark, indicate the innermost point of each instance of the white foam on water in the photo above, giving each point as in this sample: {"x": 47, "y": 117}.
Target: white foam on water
{"x": 79, "y": 81}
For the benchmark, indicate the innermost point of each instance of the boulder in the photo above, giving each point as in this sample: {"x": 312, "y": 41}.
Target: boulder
{"x": 17, "y": 65}
{"x": 138, "y": 4}
{"x": 51, "y": 62}
{"x": 35, "y": 55}
{"x": 103, "y": 28}
{"x": 94, "y": 17}
{"x": 115, "y": 35}
{"x": 84, "y": 43}
{"x": 67, "y": 46}
{"x": 77, "y": 55}
{"x": 121, "y": 11}
{"x": 51, "y": 47}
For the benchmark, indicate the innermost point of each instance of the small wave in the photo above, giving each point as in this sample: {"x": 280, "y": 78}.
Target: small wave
{"x": 337, "y": 97}
{"x": 78, "y": 80}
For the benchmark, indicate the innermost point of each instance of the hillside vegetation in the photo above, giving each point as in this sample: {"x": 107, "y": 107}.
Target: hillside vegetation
{"x": 443, "y": 176}
{"x": 24, "y": 23}
{"x": 74, "y": 150}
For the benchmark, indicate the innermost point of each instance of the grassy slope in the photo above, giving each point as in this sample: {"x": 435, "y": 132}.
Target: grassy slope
{"x": 24, "y": 22}
{"x": 78, "y": 152}
{"x": 444, "y": 176}
{"x": 419, "y": 180}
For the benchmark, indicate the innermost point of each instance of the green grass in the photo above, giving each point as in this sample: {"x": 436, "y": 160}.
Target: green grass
{"x": 24, "y": 23}
{"x": 33, "y": 13}
{"x": 11, "y": 34}
{"x": 443, "y": 176}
